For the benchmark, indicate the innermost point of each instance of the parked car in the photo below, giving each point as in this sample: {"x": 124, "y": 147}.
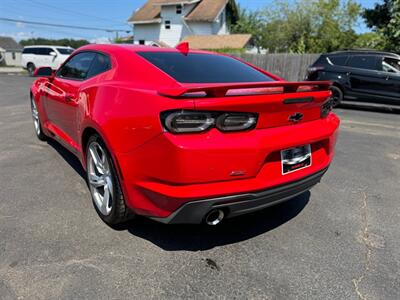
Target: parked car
{"x": 360, "y": 75}
{"x": 44, "y": 56}
{"x": 184, "y": 136}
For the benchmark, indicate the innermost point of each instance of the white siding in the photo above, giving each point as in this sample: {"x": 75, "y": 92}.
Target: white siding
{"x": 146, "y": 32}
{"x": 171, "y": 36}
{"x": 12, "y": 58}
{"x": 219, "y": 26}
{"x": 201, "y": 28}
{"x": 207, "y": 28}
{"x": 178, "y": 27}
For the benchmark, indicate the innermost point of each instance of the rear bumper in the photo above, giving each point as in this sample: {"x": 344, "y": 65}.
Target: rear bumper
{"x": 234, "y": 205}
{"x": 170, "y": 171}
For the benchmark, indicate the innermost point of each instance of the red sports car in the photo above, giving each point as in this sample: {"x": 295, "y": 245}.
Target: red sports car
{"x": 184, "y": 136}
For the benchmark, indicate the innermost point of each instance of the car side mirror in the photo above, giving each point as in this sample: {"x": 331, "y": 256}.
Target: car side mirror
{"x": 43, "y": 72}
{"x": 53, "y": 53}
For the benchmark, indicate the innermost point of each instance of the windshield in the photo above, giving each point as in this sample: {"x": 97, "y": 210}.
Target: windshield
{"x": 204, "y": 68}
{"x": 65, "y": 51}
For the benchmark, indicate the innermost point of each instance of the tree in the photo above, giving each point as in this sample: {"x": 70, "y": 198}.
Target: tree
{"x": 370, "y": 40}
{"x": 61, "y": 42}
{"x": 302, "y": 26}
{"x": 384, "y": 19}
{"x": 379, "y": 16}
{"x": 250, "y": 22}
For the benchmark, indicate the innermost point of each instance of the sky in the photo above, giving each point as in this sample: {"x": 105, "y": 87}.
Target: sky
{"x": 104, "y": 14}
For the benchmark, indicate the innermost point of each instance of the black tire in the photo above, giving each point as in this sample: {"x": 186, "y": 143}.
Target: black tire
{"x": 120, "y": 213}
{"x": 38, "y": 127}
{"x": 337, "y": 95}
{"x": 31, "y": 68}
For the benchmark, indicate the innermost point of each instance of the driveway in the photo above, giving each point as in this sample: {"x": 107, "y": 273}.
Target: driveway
{"x": 340, "y": 241}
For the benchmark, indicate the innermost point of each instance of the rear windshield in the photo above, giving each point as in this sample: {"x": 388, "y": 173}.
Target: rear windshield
{"x": 66, "y": 51}
{"x": 204, "y": 68}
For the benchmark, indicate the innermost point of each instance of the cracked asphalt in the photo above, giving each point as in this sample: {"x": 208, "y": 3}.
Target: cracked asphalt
{"x": 340, "y": 241}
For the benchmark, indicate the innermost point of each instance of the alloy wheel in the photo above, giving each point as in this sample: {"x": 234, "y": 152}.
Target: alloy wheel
{"x": 100, "y": 178}
{"x": 31, "y": 69}
{"x": 336, "y": 97}
{"x": 35, "y": 117}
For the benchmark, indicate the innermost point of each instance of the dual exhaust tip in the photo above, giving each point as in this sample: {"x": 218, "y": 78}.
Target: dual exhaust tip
{"x": 214, "y": 217}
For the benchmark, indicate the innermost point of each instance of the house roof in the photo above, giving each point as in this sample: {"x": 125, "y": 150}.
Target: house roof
{"x": 174, "y": 2}
{"x": 148, "y": 12}
{"x": 8, "y": 43}
{"x": 209, "y": 42}
{"x": 205, "y": 10}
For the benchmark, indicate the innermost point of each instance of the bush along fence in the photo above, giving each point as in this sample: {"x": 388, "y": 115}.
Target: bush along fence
{"x": 291, "y": 67}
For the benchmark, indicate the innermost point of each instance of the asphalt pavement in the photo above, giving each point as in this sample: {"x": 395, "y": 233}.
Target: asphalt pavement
{"x": 340, "y": 241}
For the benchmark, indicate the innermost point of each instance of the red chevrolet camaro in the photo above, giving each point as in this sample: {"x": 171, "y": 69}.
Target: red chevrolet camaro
{"x": 184, "y": 136}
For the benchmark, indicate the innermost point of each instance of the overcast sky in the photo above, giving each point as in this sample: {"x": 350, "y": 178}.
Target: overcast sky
{"x": 109, "y": 14}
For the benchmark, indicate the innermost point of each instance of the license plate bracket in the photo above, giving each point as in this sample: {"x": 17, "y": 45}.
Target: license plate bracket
{"x": 296, "y": 158}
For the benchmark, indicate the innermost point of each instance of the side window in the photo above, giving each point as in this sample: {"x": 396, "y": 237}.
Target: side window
{"x": 77, "y": 67}
{"x": 363, "y": 62}
{"x": 44, "y": 51}
{"x": 167, "y": 24}
{"x": 30, "y": 51}
{"x": 338, "y": 60}
{"x": 391, "y": 65}
{"x": 100, "y": 64}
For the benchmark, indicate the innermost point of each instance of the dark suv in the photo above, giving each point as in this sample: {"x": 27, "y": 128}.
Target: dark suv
{"x": 360, "y": 75}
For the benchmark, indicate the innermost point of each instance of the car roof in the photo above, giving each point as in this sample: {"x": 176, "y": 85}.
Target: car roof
{"x": 47, "y": 46}
{"x": 135, "y": 48}
{"x": 363, "y": 52}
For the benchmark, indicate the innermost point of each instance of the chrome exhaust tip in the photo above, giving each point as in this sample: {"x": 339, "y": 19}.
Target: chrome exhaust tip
{"x": 214, "y": 217}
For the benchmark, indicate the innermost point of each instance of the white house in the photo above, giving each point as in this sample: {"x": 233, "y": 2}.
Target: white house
{"x": 167, "y": 22}
{"x": 10, "y": 51}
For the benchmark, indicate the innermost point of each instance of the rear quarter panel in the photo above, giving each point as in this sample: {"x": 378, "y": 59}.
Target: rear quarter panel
{"x": 127, "y": 117}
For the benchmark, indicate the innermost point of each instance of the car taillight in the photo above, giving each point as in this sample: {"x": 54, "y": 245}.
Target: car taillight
{"x": 326, "y": 108}
{"x": 186, "y": 121}
{"x": 236, "y": 121}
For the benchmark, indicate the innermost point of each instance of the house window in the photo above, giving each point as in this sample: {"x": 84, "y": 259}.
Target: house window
{"x": 141, "y": 42}
{"x": 179, "y": 9}
{"x": 167, "y": 24}
{"x": 13, "y": 56}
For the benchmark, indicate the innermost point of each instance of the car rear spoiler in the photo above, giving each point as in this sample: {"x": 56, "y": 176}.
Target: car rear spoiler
{"x": 220, "y": 90}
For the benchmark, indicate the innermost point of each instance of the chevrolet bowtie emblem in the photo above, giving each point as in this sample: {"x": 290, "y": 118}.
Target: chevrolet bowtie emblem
{"x": 296, "y": 117}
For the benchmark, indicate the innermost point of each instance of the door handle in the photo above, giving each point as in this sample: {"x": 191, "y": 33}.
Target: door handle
{"x": 69, "y": 98}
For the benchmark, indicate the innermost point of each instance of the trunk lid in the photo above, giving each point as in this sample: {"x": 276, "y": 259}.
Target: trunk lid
{"x": 277, "y": 103}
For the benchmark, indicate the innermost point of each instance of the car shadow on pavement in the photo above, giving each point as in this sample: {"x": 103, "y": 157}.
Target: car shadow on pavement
{"x": 230, "y": 231}
{"x": 202, "y": 237}
{"x": 360, "y": 106}
{"x": 71, "y": 159}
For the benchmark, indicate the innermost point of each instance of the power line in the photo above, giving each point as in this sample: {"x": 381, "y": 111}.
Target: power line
{"x": 74, "y": 12}
{"x": 63, "y": 26}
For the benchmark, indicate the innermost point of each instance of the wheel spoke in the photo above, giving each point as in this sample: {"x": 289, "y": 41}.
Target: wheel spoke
{"x": 106, "y": 198}
{"x": 96, "y": 181}
{"x": 109, "y": 185}
{"x": 97, "y": 160}
{"x": 35, "y": 116}
{"x": 100, "y": 178}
